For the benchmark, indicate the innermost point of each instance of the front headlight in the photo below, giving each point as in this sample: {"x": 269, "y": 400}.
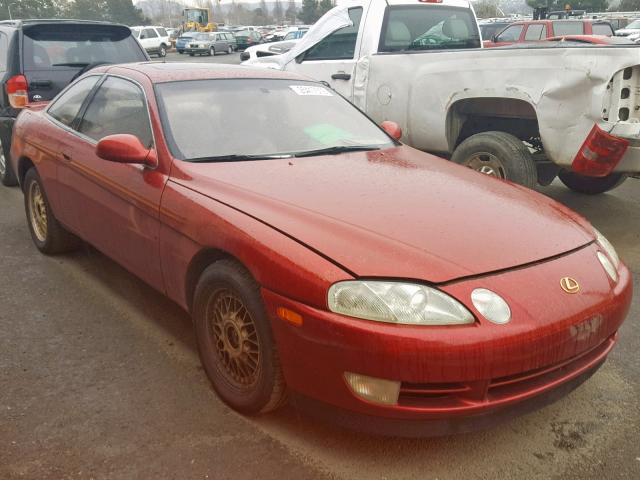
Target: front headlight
{"x": 608, "y": 248}
{"x": 396, "y": 302}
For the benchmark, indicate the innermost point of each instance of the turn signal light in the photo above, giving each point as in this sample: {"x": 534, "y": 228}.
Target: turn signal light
{"x": 289, "y": 316}
{"x": 17, "y": 91}
{"x": 599, "y": 154}
{"x": 375, "y": 390}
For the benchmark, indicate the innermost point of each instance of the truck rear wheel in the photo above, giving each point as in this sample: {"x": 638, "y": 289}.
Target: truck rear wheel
{"x": 591, "y": 185}
{"x": 500, "y": 155}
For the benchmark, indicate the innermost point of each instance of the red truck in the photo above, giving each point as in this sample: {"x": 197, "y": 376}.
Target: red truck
{"x": 536, "y": 30}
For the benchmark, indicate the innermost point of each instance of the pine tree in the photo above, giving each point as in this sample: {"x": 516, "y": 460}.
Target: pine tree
{"x": 309, "y": 12}
{"x": 324, "y": 6}
{"x": 278, "y": 12}
{"x": 29, "y": 9}
{"x": 292, "y": 12}
{"x": 123, "y": 11}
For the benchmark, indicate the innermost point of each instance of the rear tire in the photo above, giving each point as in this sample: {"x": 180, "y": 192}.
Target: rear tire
{"x": 163, "y": 51}
{"x": 7, "y": 176}
{"x": 48, "y": 235}
{"x": 591, "y": 185}
{"x": 500, "y": 155}
{"x": 212, "y": 52}
{"x": 235, "y": 341}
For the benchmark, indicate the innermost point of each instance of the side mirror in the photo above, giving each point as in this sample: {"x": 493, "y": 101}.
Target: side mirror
{"x": 392, "y": 128}
{"x": 124, "y": 148}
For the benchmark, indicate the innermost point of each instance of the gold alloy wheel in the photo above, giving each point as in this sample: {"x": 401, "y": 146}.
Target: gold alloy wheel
{"x": 37, "y": 212}
{"x": 488, "y": 164}
{"x": 235, "y": 339}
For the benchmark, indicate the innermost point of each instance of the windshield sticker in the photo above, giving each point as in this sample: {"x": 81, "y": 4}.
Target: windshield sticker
{"x": 311, "y": 90}
{"x": 327, "y": 134}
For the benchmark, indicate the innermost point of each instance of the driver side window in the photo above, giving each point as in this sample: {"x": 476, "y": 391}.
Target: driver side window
{"x": 119, "y": 106}
{"x": 510, "y": 34}
{"x": 341, "y": 44}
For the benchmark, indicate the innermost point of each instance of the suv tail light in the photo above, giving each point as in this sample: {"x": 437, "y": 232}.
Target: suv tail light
{"x": 599, "y": 154}
{"x": 17, "y": 91}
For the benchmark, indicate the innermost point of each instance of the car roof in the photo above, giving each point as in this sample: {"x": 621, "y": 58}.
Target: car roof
{"x": 159, "y": 72}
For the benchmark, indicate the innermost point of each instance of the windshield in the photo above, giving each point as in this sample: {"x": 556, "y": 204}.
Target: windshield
{"x": 73, "y": 45}
{"x": 428, "y": 27}
{"x": 202, "y": 36}
{"x": 187, "y": 35}
{"x": 243, "y": 33}
{"x": 260, "y": 117}
{"x": 634, "y": 24}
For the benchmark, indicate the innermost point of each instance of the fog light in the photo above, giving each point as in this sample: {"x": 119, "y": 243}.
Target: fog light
{"x": 491, "y": 306}
{"x": 608, "y": 266}
{"x": 375, "y": 390}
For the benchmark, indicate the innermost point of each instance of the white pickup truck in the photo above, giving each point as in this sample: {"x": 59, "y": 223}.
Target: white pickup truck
{"x": 525, "y": 114}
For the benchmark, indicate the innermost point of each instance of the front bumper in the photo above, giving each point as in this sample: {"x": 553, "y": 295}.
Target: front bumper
{"x": 196, "y": 50}
{"x": 462, "y": 371}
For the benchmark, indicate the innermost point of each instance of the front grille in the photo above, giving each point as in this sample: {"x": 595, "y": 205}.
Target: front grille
{"x": 435, "y": 396}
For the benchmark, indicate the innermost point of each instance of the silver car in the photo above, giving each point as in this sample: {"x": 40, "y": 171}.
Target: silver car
{"x": 209, "y": 44}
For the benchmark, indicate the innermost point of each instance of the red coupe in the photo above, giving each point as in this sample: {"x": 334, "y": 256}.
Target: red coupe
{"x": 320, "y": 259}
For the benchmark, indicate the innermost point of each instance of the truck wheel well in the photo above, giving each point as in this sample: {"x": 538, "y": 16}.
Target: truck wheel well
{"x": 24, "y": 164}
{"x": 476, "y": 115}
{"x": 198, "y": 264}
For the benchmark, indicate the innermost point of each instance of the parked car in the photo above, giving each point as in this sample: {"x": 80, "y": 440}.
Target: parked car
{"x": 274, "y": 48}
{"x": 155, "y": 40}
{"x": 183, "y": 40}
{"x": 209, "y": 44}
{"x": 462, "y": 101}
{"x": 247, "y": 38}
{"x": 536, "y": 30}
{"x": 296, "y": 271}
{"x": 632, "y": 28}
{"x": 40, "y": 57}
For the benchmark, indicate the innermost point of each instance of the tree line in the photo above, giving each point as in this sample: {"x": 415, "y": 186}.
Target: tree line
{"x": 120, "y": 11}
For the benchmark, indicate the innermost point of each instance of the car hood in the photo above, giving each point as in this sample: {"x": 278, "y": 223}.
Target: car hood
{"x": 396, "y": 213}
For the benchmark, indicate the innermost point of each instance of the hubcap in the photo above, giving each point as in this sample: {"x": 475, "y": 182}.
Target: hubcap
{"x": 488, "y": 164}
{"x": 37, "y": 212}
{"x": 235, "y": 339}
{"x": 3, "y": 161}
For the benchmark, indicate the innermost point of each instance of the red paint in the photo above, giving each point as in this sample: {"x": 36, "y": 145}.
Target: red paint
{"x": 392, "y": 128}
{"x": 300, "y": 225}
{"x": 124, "y": 148}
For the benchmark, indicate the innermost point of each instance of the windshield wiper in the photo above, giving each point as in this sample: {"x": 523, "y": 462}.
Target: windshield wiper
{"x": 336, "y": 150}
{"x": 235, "y": 158}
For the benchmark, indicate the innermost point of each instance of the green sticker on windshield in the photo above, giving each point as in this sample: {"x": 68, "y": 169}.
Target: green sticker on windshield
{"x": 327, "y": 134}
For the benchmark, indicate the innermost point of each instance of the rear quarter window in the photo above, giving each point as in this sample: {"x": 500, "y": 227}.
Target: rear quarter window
{"x": 601, "y": 29}
{"x": 568, "y": 28}
{"x": 163, "y": 32}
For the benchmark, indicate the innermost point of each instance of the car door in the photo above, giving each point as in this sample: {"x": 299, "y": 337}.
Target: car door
{"x": 535, "y": 32}
{"x": 508, "y": 36}
{"x": 117, "y": 205}
{"x": 334, "y": 58}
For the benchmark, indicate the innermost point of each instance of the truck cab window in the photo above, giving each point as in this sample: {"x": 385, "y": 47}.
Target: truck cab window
{"x": 425, "y": 27}
{"x": 341, "y": 44}
{"x": 510, "y": 34}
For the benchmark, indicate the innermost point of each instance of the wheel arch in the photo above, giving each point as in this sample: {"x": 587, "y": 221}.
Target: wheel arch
{"x": 24, "y": 165}
{"x": 198, "y": 264}
{"x": 469, "y": 116}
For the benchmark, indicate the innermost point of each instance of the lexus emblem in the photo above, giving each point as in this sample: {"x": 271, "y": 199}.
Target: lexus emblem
{"x": 570, "y": 285}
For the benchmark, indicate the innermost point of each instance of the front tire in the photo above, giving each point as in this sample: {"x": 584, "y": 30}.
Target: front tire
{"x": 235, "y": 341}
{"x": 500, "y": 155}
{"x": 191, "y": 54}
{"x": 591, "y": 185}
{"x": 229, "y": 50}
{"x": 48, "y": 235}
{"x": 212, "y": 52}
{"x": 7, "y": 177}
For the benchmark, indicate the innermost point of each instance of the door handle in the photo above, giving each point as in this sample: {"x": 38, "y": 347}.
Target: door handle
{"x": 341, "y": 76}
{"x": 44, "y": 84}
{"x": 66, "y": 157}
